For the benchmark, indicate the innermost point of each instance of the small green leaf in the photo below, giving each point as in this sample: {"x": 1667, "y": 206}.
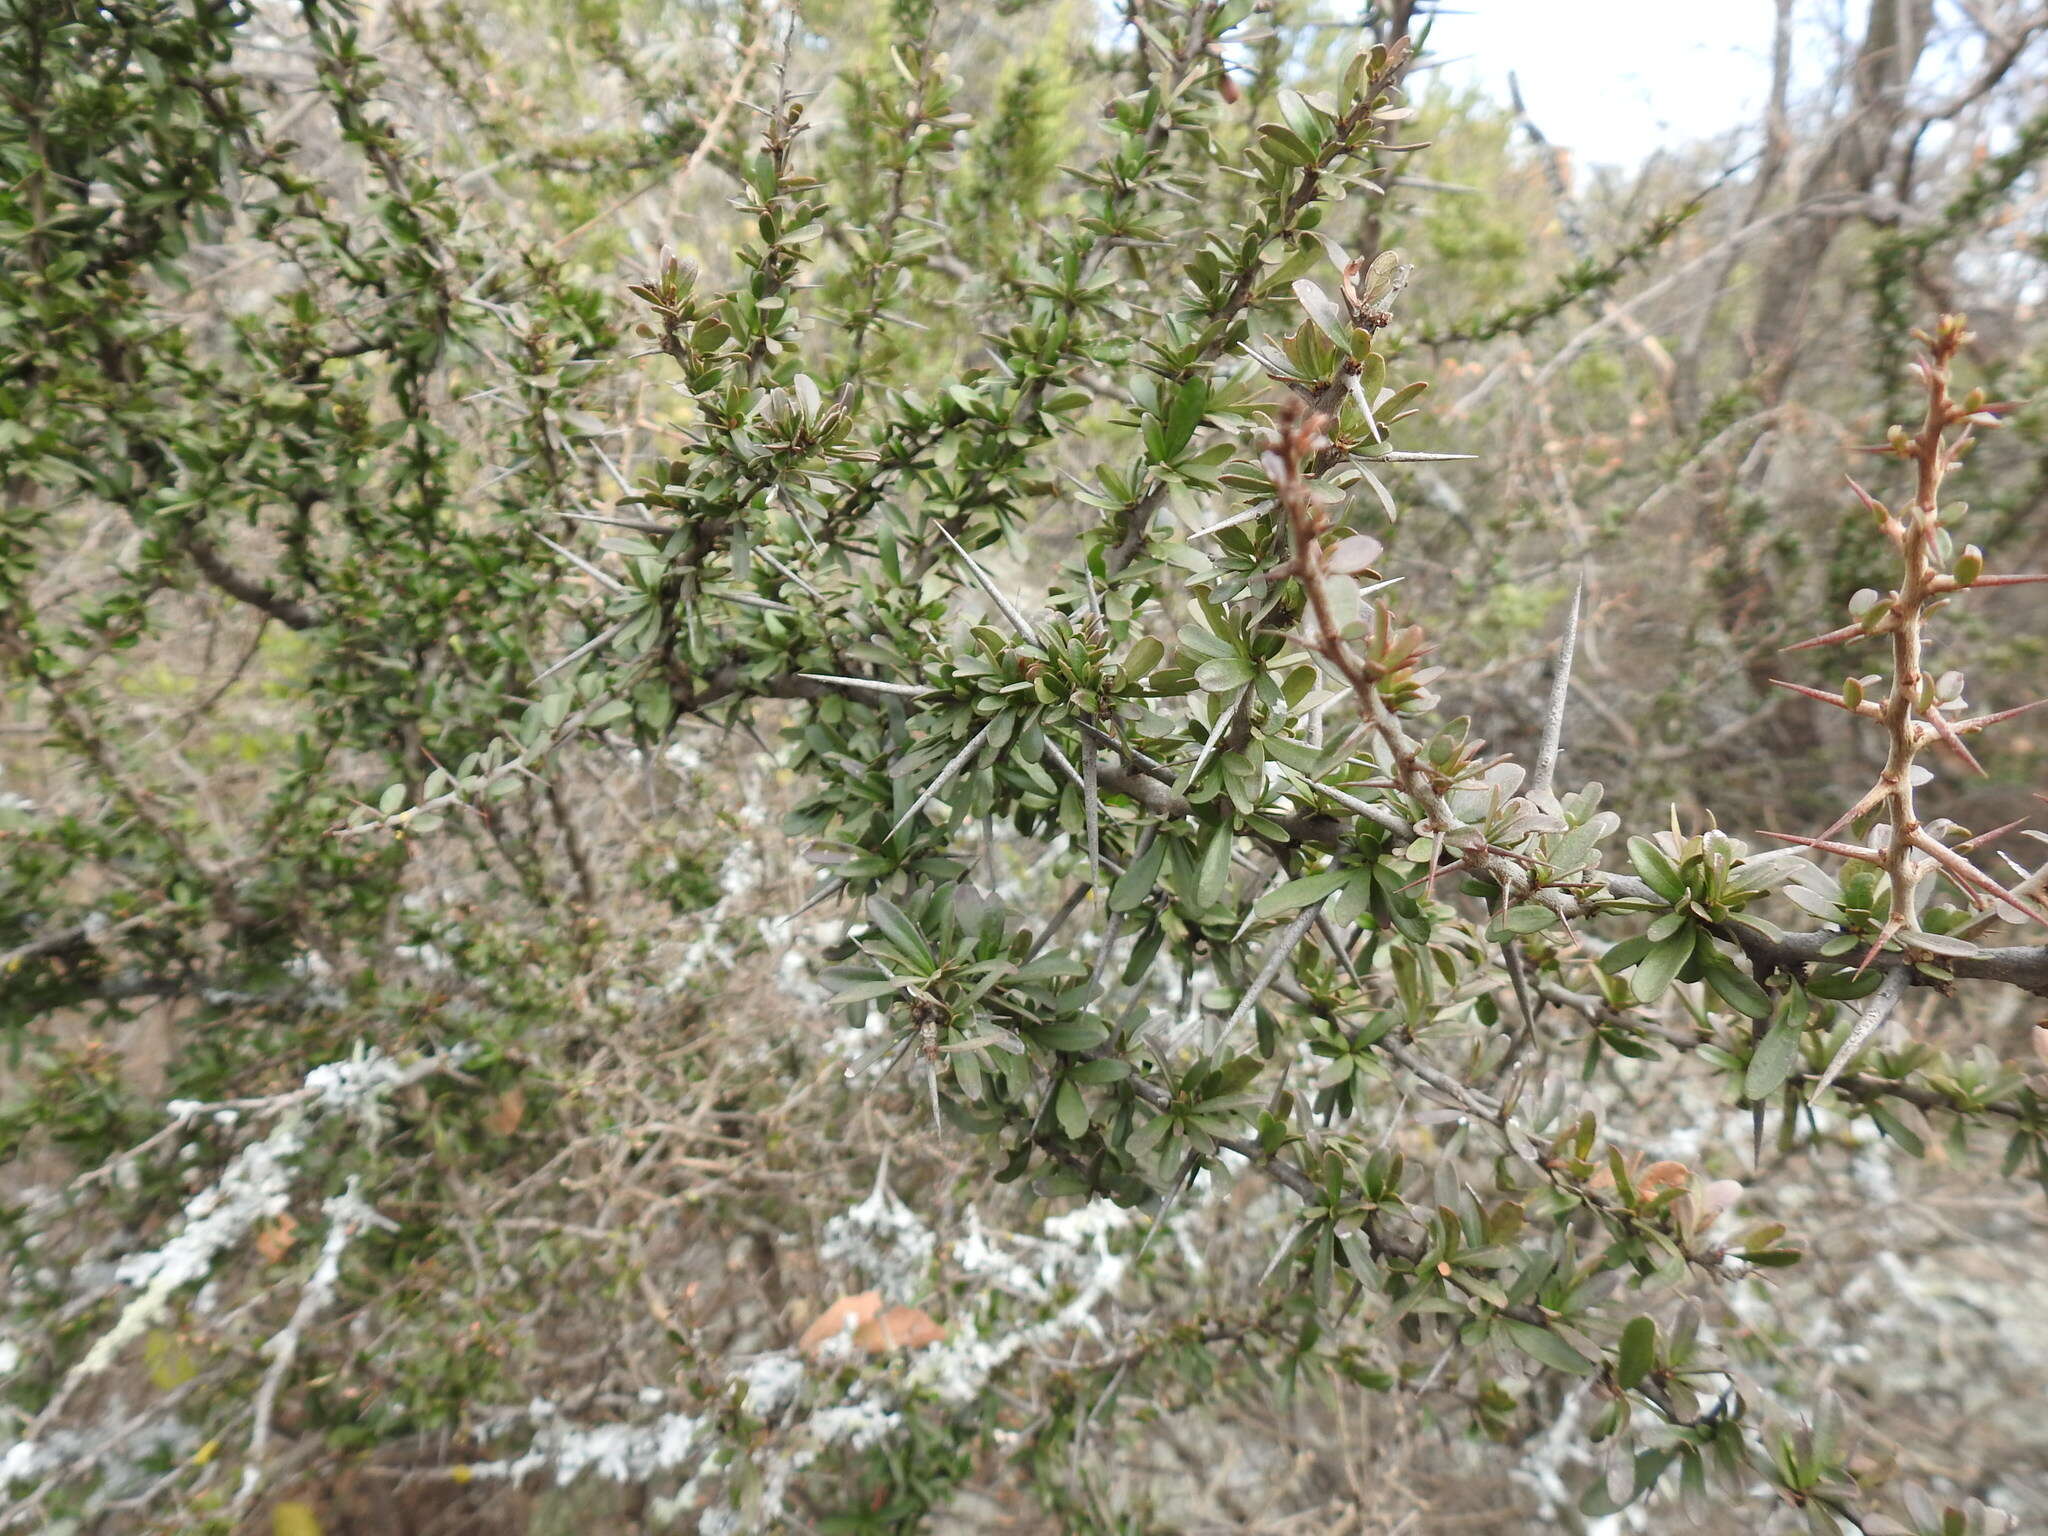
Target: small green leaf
{"x": 1213, "y": 879}
{"x": 1287, "y": 144}
{"x": 1146, "y": 654}
{"x": 1224, "y": 674}
{"x": 1139, "y": 876}
{"x": 1071, "y": 1110}
{"x": 1082, "y": 1035}
{"x": 1660, "y": 965}
{"x": 1734, "y": 986}
{"x": 1108, "y": 1069}
{"x": 1299, "y": 893}
{"x": 1638, "y": 1352}
{"x": 898, "y": 930}
{"x": 1897, "y": 1129}
{"x": 1542, "y": 1345}
{"x": 1628, "y": 952}
{"x": 1189, "y": 403}
{"x": 868, "y": 991}
{"x": 1656, "y": 868}
{"x": 1845, "y": 986}
{"x": 1529, "y": 917}
{"x": 1775, "y": 1055}
{"x": 1147, "y": 1138}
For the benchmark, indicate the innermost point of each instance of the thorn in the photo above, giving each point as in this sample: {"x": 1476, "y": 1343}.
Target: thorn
{"x": 875, "y": 685}
{"x": 1870, "y": 798}
{"x": 1357, "y": 391}
{"x": 580, "y": 563}
{"x": 1258, "y": 889}
{"x": 2026, "y": 885}
{"x": 987, "y": 585}
{"x": 1512, "y": 959}
{"x": 1181, "y": 1181}
{"x": 789, "y": 575}
{"x": 1846, "y": 850}
{"x": 1130, "y": 753}
{"x": 1758, "y": 1028}
{"x": 1276, "y": 957}
{"x": 1979, "y": 722}
{"x": 1893, "y": 923}
{"x": 1287, "y": 1246}
{"x": 749, "y": 600}
{"x": 1947, "y": 732}
{"x": 1982, "y": 838}
{"x": 1818, "y": 695}
{"x": 1208, "y": 747}
{"x": 1110, "y": 932}
{"x": 946, "y": 776}
{"x": 1059, "y": 919}
{"x": 2006, "y": 581}
{"x": 623, "y": 522}
{"x": 1840, "y": 636}
{"x": 1882, "y": 1003}
{"x": 895, "y": 1051}
{"x": 581, "y": 651}
{"x": 824, "y": 892}
{"x": 1328, "y": 930}
{"x": 1560, "y": 693}
{"x": 1968, "y": 874}
{"x": 1065, "y": 764}
{"x": 1231, "y": 522}
{"x": 1091, "y": 769}
{"x": 1870, "y": 502}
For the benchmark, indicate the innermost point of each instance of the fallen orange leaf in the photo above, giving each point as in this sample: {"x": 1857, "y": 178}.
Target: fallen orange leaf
{"x": 847, "y": 1310}
{"x": 275, "y": 1240}
{"x": 897, "y": 1328}
{"x": 507, "y": 1110}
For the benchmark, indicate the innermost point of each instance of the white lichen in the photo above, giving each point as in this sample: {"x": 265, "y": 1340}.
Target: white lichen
{"x": 884, "y": 1240}
{"x": 772, "y": 1382}
{"x": 255, "y": 1186}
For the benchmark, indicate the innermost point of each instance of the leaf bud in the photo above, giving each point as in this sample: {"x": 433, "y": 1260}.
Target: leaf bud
{"x": 1969, "y": 566}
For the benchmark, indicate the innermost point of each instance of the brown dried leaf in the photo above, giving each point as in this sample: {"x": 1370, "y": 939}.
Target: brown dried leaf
{"x": 274, "y": 1240}
{"x": 898, "y": 1328}
{"x": 1664, "y": 1175}
{"x": 507, "y": 1110}
{"x": 855, "y": 1310}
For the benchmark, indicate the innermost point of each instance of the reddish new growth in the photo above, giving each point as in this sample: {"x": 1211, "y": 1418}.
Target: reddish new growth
{"x": 1379, "y": 661}
{"x": 1915, "y": 714}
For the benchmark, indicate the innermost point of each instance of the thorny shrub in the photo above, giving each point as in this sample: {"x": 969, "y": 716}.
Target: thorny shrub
{"x": 1152, "y": 874}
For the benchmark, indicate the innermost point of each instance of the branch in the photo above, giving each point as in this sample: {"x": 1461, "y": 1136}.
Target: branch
{"x": 291, "y": 614}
